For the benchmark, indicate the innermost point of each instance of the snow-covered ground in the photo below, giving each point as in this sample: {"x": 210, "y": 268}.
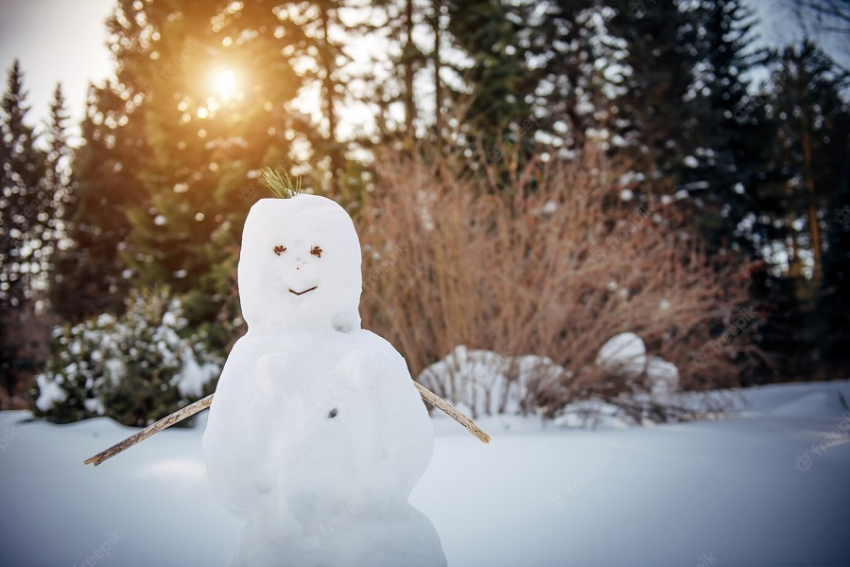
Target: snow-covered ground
{"x": 768, "y": 486}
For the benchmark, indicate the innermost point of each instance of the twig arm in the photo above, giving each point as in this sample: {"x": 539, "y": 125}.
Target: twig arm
{"x": 163, "y": 423}
{"x": 453, "y": 413}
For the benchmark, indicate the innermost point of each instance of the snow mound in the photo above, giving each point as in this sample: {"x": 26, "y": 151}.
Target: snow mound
{"x": 485, "y": 382}
{"x": 623, "y": 354}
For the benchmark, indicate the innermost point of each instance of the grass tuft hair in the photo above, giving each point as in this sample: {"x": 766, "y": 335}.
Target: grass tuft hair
{"x": 281, "y": 186}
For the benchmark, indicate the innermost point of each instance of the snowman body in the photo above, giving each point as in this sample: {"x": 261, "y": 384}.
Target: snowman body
{"x": 316, "y": 435}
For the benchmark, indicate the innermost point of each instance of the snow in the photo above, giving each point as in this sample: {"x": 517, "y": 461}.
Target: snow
{"x": 316, "y": 435}
{"x": 269, "y": 280}
{"x": 766, "y": 486}
{"x": 662, "y": 376}
{"x": 194, "y": 376}
{"x": 50, "y": 394}
{"x": 623, "y": 354}
{"x": 486, "y": 383}
{"x": 483, "y": 382}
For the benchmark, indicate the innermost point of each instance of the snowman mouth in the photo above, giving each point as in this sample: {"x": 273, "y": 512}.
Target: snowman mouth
{"x": 302, "y": 292}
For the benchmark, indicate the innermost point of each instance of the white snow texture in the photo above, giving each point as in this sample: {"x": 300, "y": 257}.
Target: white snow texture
{"x": 624, "y": 354}
{"x": 316, "y": 435}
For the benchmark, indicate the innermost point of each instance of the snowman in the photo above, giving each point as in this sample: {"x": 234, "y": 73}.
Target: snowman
{"x": 317, "y": 434}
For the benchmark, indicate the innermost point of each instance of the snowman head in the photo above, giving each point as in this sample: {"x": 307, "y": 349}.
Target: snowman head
{"x": 299, "y": 268}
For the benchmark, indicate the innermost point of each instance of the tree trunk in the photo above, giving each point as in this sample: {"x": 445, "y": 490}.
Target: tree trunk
{"x": 809, "y": 181}
{"x": 328, "y": 86}
{"x": 409, "y": 108}
{"x": 438, "y": 88}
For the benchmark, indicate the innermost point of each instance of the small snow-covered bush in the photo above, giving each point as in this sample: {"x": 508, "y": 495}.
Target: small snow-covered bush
{"x": 483, "y": 382}
{"x": 135, "y": 368}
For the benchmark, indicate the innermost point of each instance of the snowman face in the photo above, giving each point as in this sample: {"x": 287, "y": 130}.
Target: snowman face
{"x": 300, "y": 266}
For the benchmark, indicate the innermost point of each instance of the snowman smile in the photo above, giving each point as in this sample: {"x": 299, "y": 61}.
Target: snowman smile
{"x": 302, "y": 292}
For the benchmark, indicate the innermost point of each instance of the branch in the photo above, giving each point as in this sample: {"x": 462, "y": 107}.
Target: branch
{"x": 163, "y": 423}
{"x": 445, "y": 406}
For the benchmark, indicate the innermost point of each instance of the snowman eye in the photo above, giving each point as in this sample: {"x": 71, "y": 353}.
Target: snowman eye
{"x": 278, "y": 250}
{"x": 316, "y": 251}
{"x": 333, "y": 413}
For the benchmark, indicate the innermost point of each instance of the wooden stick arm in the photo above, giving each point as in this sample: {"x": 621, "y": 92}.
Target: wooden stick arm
{"x": 453, "y": 413}
{"x": 163, "y": 423}
{"x": 204, "y": 403}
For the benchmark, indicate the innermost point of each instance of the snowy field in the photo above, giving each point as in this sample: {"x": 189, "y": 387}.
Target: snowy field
{"x": 767, "y": 486}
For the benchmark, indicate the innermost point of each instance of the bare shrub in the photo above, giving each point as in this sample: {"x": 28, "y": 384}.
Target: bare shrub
{"x": 552, "y": 265}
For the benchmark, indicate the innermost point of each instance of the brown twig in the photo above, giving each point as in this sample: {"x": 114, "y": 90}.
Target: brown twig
{"x": 445, "y": 406}
{"x": 203, "y": 404}
{"x": 163, "y": 423}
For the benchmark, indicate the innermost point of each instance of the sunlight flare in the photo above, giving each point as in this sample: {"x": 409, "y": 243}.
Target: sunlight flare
{"x": 225, "y": 83}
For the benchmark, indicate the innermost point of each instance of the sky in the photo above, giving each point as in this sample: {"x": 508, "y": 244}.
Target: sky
{"x": 55, "y": 40}
{"x": 64, "y": 40}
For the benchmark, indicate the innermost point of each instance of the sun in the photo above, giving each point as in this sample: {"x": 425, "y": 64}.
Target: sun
{"x": 225, "y": 83}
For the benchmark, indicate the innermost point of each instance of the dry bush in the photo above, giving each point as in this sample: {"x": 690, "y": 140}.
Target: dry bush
{"x": 553, "y": 265}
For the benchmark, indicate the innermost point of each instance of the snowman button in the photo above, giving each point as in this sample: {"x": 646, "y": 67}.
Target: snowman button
{"x": 332, "y": 414}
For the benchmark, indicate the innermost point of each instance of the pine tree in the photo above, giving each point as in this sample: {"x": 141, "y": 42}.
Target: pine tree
{"x": 23, "y": 216}
{"x": 811, "y": 154}
{"x": 214, "y": 93}
{"x": 724, "y": 137}
{"x": 810, "y": 143}
{"x": 833, "y": 309}
{"x": 403, "y": 114}
{"x": 661, "y": 55}
{"x": 23, "y": 167}
{"x": 305, "y": 43}
{"x": 584, "y": 61}
{"x": 89, "y": 273}
{"x": 492, "y": 34}
{"x": 56, "y": 182}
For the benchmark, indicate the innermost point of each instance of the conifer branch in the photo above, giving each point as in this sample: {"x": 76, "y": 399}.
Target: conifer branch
{"x": 281, "y": 185}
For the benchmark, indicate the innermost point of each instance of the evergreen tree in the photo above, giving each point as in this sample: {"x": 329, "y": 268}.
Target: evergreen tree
{"x": 89, "y": 273}
{"x": 23, "y": 216}
{"x": 582, "y": 64}
{"x": 810, "y": 145}
{"x": 724, "y": 138}
{"x": 411, "y": 62}
{"x": 23, "y": 204}
{"x": 56, "y": 183}
{"x": 494, "y": 36}
{"x": 811, "y": 151}
{"x": 214, "y": 95}
{"x": 305, "y": 43}
{"x": 661, "y": 55}
{"x": 833, "y": 309}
